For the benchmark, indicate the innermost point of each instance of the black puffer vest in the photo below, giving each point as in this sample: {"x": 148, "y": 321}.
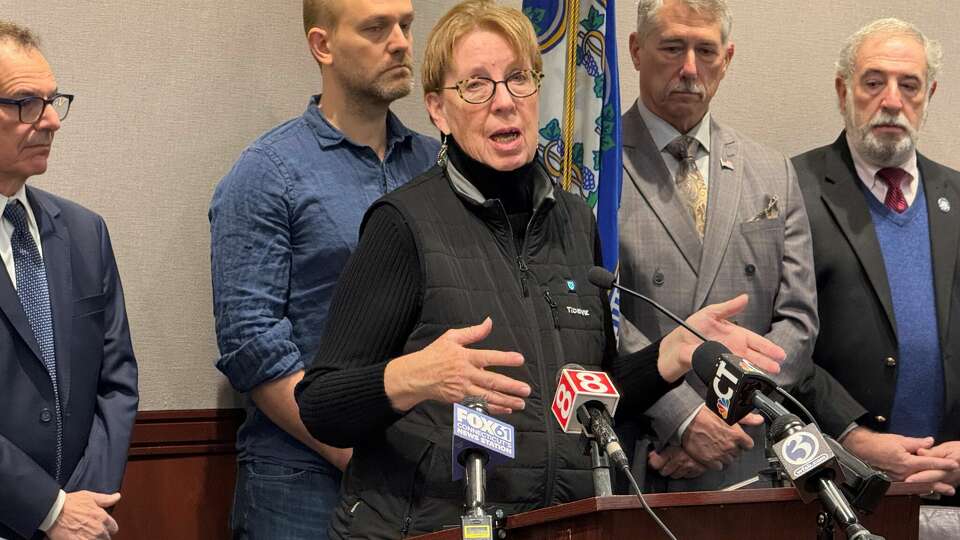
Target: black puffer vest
{"x": 542, "y": 306}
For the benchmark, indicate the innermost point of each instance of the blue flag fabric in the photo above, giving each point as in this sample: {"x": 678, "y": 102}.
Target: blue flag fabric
{"x": 580, "y": 109}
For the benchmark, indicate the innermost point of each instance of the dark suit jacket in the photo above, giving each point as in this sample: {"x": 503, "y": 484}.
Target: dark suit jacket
{"x": 857, "y": 345}
{"x": 96, "y": 371}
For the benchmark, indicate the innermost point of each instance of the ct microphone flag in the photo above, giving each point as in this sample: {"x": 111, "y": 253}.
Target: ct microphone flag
{"x": 580, "y": 110}
{"x": 473, "y": 429}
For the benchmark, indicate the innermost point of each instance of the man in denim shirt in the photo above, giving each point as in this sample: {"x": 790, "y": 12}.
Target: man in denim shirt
{"x": 283, "y": 223}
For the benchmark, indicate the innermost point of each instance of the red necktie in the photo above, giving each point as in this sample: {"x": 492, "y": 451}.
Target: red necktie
{"x": 894, "y": 176}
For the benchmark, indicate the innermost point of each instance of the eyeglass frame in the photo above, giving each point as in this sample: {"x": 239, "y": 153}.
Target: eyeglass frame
{"x": 538, "y": 75}
{"x": 46, "y": 102}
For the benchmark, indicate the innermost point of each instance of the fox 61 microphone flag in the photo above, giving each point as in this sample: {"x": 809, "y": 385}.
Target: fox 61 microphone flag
{"x": 473, "y": 429}
{"x": 578, "y": 386}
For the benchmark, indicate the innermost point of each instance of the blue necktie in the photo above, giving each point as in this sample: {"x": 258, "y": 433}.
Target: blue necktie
{"x": 35, "y": 298}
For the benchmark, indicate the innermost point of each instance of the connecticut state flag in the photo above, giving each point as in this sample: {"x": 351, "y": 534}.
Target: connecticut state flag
{"x": 580, "y": 109}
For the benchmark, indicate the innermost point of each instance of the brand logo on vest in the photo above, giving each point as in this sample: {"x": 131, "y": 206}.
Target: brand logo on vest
{"x": 578, "y": 311}
{"x": 571, "y": 285}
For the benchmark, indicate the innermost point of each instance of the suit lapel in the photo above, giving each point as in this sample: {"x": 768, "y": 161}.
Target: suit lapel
{"x": 723, "y": 202}
{"x": 840, "y": 190}
{"x": 944, "y": 236}
{"x": 56, "y": 260}
{"x": 657, "y": 187}
{"x": 12, "y": 308}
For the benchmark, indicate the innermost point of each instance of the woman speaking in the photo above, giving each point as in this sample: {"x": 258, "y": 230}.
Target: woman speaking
{"x": 472, "y": 281}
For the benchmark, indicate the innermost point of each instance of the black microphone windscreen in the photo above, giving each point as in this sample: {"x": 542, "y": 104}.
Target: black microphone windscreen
{"x": 476, "y": 403}
{"x": 601, "y": 277}
{"x": 780, "y": 426}
{"x": 569, "y": 365}
{"x": 705, "y": 359}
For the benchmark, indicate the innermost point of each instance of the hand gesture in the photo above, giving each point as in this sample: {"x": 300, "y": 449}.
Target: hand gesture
{"x": 676, "y": 349}
{"x": 448, "y": 371}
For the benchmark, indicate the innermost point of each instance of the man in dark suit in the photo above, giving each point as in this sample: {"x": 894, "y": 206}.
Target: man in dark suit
{"x": 68, "y": 377}
{"x": 886, "y": 228}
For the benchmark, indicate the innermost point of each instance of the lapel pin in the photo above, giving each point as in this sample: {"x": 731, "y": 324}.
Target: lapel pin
{"x": 944, "y": 204}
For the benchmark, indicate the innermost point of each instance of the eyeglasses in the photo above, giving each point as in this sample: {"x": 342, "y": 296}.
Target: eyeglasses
{"x": 477, "y": 90}
{"x": 31, "y": 108}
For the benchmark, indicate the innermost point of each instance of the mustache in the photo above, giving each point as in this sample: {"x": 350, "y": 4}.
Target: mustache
{"x": 687, "y": 85}
{"x": 41, "y": 140}
{"x": 886, "y": 119}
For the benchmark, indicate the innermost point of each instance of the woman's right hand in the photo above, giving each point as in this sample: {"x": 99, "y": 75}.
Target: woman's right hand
{"x": 448, "y": 371}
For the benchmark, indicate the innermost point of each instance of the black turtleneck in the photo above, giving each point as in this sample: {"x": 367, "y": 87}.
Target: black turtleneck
{"x": 514, "y": 189}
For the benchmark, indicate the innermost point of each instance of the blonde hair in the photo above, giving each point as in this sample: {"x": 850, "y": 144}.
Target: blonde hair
{"x": 466, "y": 17}
{"x": 321, "y": 13}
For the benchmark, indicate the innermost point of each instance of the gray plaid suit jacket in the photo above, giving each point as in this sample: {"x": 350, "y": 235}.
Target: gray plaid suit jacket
{"x": 751, "y": 245}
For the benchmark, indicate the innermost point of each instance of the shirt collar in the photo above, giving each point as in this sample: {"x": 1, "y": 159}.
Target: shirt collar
{"x": 20, "y": 195}
{"x": 868, "y": 172}
{"x": 330, "y": 136}
{"x": 663, "y": 133}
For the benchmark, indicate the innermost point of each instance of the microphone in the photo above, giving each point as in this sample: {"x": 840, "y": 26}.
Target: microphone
{"x": 602, "y": 278}
{"x": 812, "y": 466}
{"x": 479, "y": 441}
{"x": 586, "y": 400}
{"x": 584, "y": 403}
{"x": 735, "y": 387}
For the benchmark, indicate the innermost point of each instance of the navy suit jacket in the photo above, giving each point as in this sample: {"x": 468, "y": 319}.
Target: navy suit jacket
{"x": 96, "y": 372}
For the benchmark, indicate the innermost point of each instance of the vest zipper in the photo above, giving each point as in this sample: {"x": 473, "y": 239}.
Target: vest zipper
{"x": 545, "y": 377}
{"x": 406, "y": 527}
{"x": 522, "y": 264}
{"x": 554, "y": 309}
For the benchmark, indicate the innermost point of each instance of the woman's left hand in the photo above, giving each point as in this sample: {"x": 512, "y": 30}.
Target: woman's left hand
{"x": 676, "y": 349}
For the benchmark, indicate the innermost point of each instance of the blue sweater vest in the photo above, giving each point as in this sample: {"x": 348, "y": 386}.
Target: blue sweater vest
{"x": 905, "y": 243}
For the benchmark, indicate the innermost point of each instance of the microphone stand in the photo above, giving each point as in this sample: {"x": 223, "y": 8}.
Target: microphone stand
{"x": 475, "y": 522}
{"x": 599, "y": 464}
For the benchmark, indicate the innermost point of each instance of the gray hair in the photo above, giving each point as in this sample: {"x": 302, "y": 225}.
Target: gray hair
{"x": 647, "y": 11}
{"x": 18, "y": 35}
{"x": 846, "y": 64}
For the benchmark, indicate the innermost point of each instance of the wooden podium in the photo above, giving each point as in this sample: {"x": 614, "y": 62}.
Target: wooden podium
{"x": 712, "y": 515}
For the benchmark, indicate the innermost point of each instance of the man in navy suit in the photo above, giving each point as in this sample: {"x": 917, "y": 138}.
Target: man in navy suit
{"x": 68, "y": 377}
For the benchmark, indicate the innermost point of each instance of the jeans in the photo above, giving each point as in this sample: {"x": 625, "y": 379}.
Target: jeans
{"x": 276, "y": 502}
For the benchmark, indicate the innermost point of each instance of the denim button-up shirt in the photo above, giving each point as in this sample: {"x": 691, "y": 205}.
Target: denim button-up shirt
{"x": 283, "y": 222}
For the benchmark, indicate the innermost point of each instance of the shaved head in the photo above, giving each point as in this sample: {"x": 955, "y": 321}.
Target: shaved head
{"x": 321, "y": 13}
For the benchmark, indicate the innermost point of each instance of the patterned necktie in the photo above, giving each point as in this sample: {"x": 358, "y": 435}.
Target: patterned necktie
{"x": 35, "y": 298}
{"x": 894, "y": 177}
{"x": 690, "y": 182}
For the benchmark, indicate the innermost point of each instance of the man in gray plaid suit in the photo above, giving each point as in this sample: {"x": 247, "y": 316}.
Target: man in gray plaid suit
{"x": 706, "y": 214}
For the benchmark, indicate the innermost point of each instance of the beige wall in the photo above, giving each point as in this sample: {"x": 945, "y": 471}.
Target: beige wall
{"x": 169, "y": 93}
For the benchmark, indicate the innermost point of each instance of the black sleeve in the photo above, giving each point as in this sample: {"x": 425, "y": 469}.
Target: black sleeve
{"x": 636, "y": 374}
{"x": 828, "y": 400}
{"x": 377, "y": 302}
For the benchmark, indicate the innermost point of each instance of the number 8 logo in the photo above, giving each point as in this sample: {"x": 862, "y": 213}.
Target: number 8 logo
{"x": 564, "y": 400}
{"x": 592, "y": 382}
